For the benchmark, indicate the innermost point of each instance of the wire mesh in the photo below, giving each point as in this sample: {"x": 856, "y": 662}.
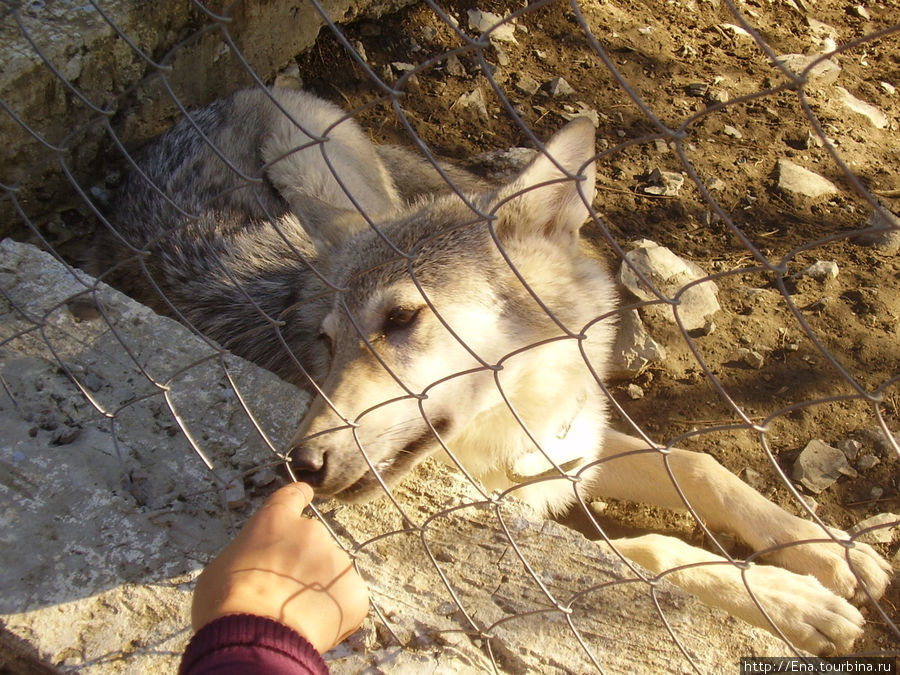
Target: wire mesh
{"x": 697, "y": 92}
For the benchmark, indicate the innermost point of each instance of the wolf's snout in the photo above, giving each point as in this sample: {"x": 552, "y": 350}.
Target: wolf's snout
{"x": 308, "y": 464}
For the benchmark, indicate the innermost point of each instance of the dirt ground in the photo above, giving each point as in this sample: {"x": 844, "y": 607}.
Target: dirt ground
{"x": 681, "y": 57}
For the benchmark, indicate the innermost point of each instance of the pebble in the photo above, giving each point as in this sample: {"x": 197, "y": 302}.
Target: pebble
{"x": 262, "y": 477}
{"x": 484, "y": 21}
{"x": 752, "y": 358}
{"x": 821, "y": 270}
{"x": 887, "y": 525}
{"x": 867, "y": 462}
{"x": 634, "y": 347}
{"x": 235, "y": 494}
{"x": 473, "y": 103}
{"x": 634, "y": 392}
{"x": 664, "y": 183}
{"x": 455, "y": 67}
{"x": 850, "y": 448}
{"x": 795, "y": 179}
{"x": 861, "y": 12}
{"x": 558, "y": 87}
{"x": 887, "y": 241}
{"x": 696, "y": 88}
{"x": 877, "y": 118}
{"x": 716, "y": 95}
{"x": 734, "y": 132}
{"x": 823, "y": 73}
{"x": 887, "y": 88}
{"x": 819, "y": 465}
{"x": 527, "y": 85}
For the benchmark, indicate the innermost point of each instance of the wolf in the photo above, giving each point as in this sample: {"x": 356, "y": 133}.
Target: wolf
{"x": 431, "y": 312}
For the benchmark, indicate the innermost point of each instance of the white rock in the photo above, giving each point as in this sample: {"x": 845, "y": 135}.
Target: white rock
{"x": 887, "y": 524}
{"x": 736, "y": 31}
{"x": 823, "y": 73}
{"x": 666, "y": 183}
{"x": 634, "y": 392}
{"x": 819, "y": 465}
{"x": 634, "y": 348}
{"x": 888, "y": 88}
{"x": 878, "y": 119}
{"x": 669, "y": 274}
{"x": 474, "y": 104}
{"x": 822, "y": 270}
{"x": 482, "y": 22}
{"x": 795, "y": 179}
{"x": 752, "y": 358}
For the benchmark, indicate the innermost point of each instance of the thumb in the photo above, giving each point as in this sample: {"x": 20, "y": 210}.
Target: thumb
{"x": 294, "y": 496}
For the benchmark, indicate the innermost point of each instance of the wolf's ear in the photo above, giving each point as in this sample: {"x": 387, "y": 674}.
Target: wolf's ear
{"x": 543, "y": 200}
{"x": 327, "y": 225}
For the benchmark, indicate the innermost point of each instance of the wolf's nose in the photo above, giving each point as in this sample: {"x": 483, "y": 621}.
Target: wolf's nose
{"x": 308, "y": 465}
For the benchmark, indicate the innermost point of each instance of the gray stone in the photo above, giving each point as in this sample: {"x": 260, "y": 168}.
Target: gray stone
{"x": 751, "y": 358}
{"x": 557, "y": 87}
{"x": 886, "y": 240}
{"x": 885, "y": 527}
{"x": 819, "y": 465}
{"x": 110, "y": 533}
{"x": 867, "y": 462}
{"x": 875, "y": 116}
{"x": 634, "y": 392}
{"x": 664, "y": 183}
{"x": 500, "y": 30}
{"x": 527, "y": 85}
{"x": 669, "y": 274}
{"x": 75, "y": 37}
{"x": 634, "y": 349}
{"x": 850, "y": 448}
{"x": 821, "y": 270}
{"x": 794, "y": 179}
{"x": 455, "y": 67}
{"x": 473, "y": 105}
{"x": 823, "y": 73}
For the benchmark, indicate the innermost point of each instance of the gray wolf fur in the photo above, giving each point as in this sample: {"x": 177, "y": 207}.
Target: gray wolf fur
{"x": 471, "y": 322}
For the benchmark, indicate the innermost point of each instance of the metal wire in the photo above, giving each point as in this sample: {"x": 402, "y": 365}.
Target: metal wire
{"x": 24, "y": 16}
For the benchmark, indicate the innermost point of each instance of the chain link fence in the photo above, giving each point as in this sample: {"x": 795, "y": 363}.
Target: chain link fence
{"x": 750, "y": 146}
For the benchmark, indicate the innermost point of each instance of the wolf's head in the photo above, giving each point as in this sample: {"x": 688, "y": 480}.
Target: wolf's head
{"x": 457, "y": 319}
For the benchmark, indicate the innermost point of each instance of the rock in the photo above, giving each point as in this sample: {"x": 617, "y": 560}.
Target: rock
{"x": 823, "y": 73}
{"x": 634, "y": 348}
{"x": 867, "y": 462}
{"x": 877, "y": 118}
{"x": 455, "y": 67}
{"x": 557, "y": 87}
{"x": 885, "y": 527}
{"x": 887, "y": 88}
{"x": 82, "y": 43}
{"x": 734, "y": 132}
{"x": 497, "y": 28}
{"x": 235, "y": 494}
{"x": 861, "y": 12}
{"x": 850, "y": 448}
{"x": 821, "y": 270}
{"x": 583, "y": 110}
{"x": 634, "y": 392}
{"x": 663, "y": 183}
{"x": 716, "y": 95}
{"x": 736, "y": 31}
{"x": 796, "y": 180}
{"x": 887, "y": 240}
{"x": 527, "y": 85}
{"x": 751, "y": 358}
{"x": 696, "y": 89}
{"x": 473, "y": 105}
{"x": 819, "y": 465}
{"x": 669, "y": 274}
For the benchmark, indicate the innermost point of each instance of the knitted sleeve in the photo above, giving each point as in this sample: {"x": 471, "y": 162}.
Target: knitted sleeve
{"x": 247, "y": 644}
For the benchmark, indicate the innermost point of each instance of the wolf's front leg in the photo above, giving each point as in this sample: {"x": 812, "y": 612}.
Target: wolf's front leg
{"x": 726, "y": 503}
{"x": 796, "y": 607}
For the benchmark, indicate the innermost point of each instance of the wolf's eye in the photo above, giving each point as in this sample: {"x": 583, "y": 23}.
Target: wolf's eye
{"x": 400, "y": 318}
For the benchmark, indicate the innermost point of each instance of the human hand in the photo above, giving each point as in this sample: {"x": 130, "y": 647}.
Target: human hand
{"x": 288, "y": 568}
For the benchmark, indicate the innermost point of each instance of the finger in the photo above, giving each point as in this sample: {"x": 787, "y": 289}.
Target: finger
{"x": 295, "y": 497}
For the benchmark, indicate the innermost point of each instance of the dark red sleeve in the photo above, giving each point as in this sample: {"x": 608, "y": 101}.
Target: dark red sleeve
{"x": 245, "y": 644}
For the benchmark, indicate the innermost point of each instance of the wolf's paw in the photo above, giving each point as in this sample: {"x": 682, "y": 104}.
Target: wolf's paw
{"x": 809, "y": 615}
{"x": 828, "y": 562}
